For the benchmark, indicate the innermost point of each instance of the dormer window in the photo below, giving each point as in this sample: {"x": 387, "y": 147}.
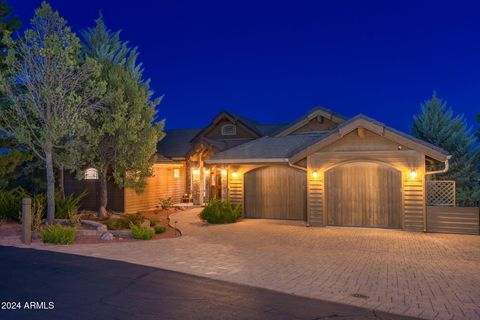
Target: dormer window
{"x": 229, "y": 130}
{"x": 91, "y": 174}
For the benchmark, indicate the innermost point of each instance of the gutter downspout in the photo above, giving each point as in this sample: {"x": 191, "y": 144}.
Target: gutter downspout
{"x": 427, "y": 173}
{"x": 445, "y": 169}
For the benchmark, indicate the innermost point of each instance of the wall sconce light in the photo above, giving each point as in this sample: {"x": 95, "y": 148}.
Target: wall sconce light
{"x": 196, "y": 171}
{"x": 413, "y": 174}
{"x": 224, "y": 172}
{"x": 176, "y": 173}
{"x": 234, "y": 174}
{"x": 315, "y": 174}
{"x": 206, "y": 171}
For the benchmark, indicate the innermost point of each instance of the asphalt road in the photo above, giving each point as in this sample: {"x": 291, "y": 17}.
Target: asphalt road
{"x": 90, "y": 288}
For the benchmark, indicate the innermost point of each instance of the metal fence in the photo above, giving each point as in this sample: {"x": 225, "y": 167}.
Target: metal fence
{"x": 441, "y": 193}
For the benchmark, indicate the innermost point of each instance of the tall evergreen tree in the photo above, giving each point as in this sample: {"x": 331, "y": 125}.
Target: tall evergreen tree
{"x": 123, "y": 138}
{"x": 50, "y": 92}
{"x": 437, "y": 124}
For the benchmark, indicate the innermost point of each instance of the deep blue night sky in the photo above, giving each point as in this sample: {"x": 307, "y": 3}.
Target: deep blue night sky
{"x": 273, "y": 62}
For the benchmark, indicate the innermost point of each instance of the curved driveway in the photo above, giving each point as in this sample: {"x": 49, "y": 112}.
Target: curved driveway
{"x": 424, "y": 275}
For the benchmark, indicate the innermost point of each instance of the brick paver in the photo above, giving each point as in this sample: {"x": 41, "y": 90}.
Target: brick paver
{"x": 434, "y": 276}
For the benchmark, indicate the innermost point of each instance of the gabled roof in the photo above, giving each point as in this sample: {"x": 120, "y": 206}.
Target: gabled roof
{"x": 176, "y": 143}
{"x": 267, "y": 149}
{"x": 362, "y": 121}
{"x": 256, "y": 128}
{"x": 312, "y": 114}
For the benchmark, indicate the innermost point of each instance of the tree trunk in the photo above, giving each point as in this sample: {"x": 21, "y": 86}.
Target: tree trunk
{"x": 50, "y": 187}
{"x": 61, "y": 181}
{"x": 102, "y": 210}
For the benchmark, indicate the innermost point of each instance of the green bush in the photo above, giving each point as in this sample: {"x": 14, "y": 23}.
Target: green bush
{"x": 141, "y": 233}
{"x": 160, "y": 229}
{"x": 124, "y": 221}
{"x": 39, "y": 210}
{"x": 166, "y": 204}
{"x": 66, "y": 207}
{"x": 218, "y": 211}
{"x": 58, "y": 234}
{"x": 11, "y": 203}
{"x": 153, "y": 223}
{"x": 117, "y": 224}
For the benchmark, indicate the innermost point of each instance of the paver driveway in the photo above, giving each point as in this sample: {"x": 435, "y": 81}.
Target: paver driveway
{"x": 425, "y": 275}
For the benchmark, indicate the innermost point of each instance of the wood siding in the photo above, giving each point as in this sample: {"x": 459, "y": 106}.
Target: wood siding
{"x": 315, "y": 125}
{"x": 453, "y": 220}
{"x": 363, "y": 194}
{"x": 92, "y": 187}
{"x": 413, "y": 199}
{"x": 275, "y": 192}
{"x": 241, "y": 132}
{"x": 161, "y": 185}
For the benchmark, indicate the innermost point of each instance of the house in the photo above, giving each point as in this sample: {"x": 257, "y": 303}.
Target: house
{"x": 323, "y": 168}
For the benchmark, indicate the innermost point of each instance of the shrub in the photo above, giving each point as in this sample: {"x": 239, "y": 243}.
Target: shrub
{"x": 153, "y": 223}
{"x": 160, "y": 229}
{"x": 141, "y": 233}
{"x": 166, "y": 204}
{"x": 124, "y": 221}
{"x": 117, "y": 224}
{"x": 66, "y": 207}
{"x": 39, "y": 206}
{"x": 58, "y": 234}
{"x": 218, "y": 211}
{"x": 11, "y": 203}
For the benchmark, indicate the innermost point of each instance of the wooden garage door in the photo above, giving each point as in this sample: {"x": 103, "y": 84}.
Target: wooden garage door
{"x": 276, "y": 192}
{"x": 363, "y": 194}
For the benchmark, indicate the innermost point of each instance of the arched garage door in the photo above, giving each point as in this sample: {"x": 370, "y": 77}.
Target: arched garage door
{"x": 276, "y": 192}
{"x": 363, "y": 194}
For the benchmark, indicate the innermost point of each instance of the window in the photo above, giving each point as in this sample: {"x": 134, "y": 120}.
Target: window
{"x": 176, "y": 173}
{"x": 91, "y": 174}
{"x": 229, "y": 130}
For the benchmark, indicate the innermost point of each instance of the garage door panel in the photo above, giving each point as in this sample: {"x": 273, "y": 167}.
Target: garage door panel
{"x": 363, "y": 194}
{"x": 276, "y": 192}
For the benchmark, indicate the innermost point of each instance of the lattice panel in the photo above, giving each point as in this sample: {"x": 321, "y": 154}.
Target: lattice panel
{"x": 441, "y": 193}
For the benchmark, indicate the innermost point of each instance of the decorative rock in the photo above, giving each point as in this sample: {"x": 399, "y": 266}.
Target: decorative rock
{"x": 107, "y": 236}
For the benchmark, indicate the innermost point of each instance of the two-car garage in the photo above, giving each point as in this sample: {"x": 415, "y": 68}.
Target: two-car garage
{"x": 364, "y": 194}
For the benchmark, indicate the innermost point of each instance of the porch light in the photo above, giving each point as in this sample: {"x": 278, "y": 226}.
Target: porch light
{"x": 315, "y": 174}
{"x": 413, "y": 174}
{"x": 234, "y": 174}
{"x": 196, "y": 171}
{"x": 206, "y": 171}
{"x": 224, "y": 172}
{"x": 176, "y": 173}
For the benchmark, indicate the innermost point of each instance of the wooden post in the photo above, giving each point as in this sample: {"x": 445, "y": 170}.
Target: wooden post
{"x": 27, "y": 220}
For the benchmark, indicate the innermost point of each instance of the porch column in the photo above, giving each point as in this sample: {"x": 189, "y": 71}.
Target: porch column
{"x": 224, "y": 186}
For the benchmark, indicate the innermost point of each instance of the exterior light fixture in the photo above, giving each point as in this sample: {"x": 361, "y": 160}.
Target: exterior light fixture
{"x": 315, "y": 174}
{"x": 176, "y": 173}
{"x": 234, "y": 174}
{"x": 224, "y": 172}
{"x": 196, "y": 171}
{"x": 206, "y": 171}
{"x": 413, "y": 174}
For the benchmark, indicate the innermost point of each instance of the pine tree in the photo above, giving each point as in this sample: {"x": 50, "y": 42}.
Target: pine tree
{"x": 50, "y": 92}
{"x": 437, "y": 124}
{"x": 123, "y": 138}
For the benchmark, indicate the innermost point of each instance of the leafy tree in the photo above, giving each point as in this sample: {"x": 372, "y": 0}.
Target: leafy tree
{"x": 123, "y": 138}
{"x": 9, "y": 24}
{"x": 437, "y": 124}
{"x": 50, "y": 92}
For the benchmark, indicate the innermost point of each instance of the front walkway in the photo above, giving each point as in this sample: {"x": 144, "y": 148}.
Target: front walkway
{"x": 425, "y": 275}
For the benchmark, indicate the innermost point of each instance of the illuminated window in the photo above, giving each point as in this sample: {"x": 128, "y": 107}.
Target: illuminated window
{"x": 229, "y": 130}
{"x": 91, "y": 174}
{"x": 176, "y": 173}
